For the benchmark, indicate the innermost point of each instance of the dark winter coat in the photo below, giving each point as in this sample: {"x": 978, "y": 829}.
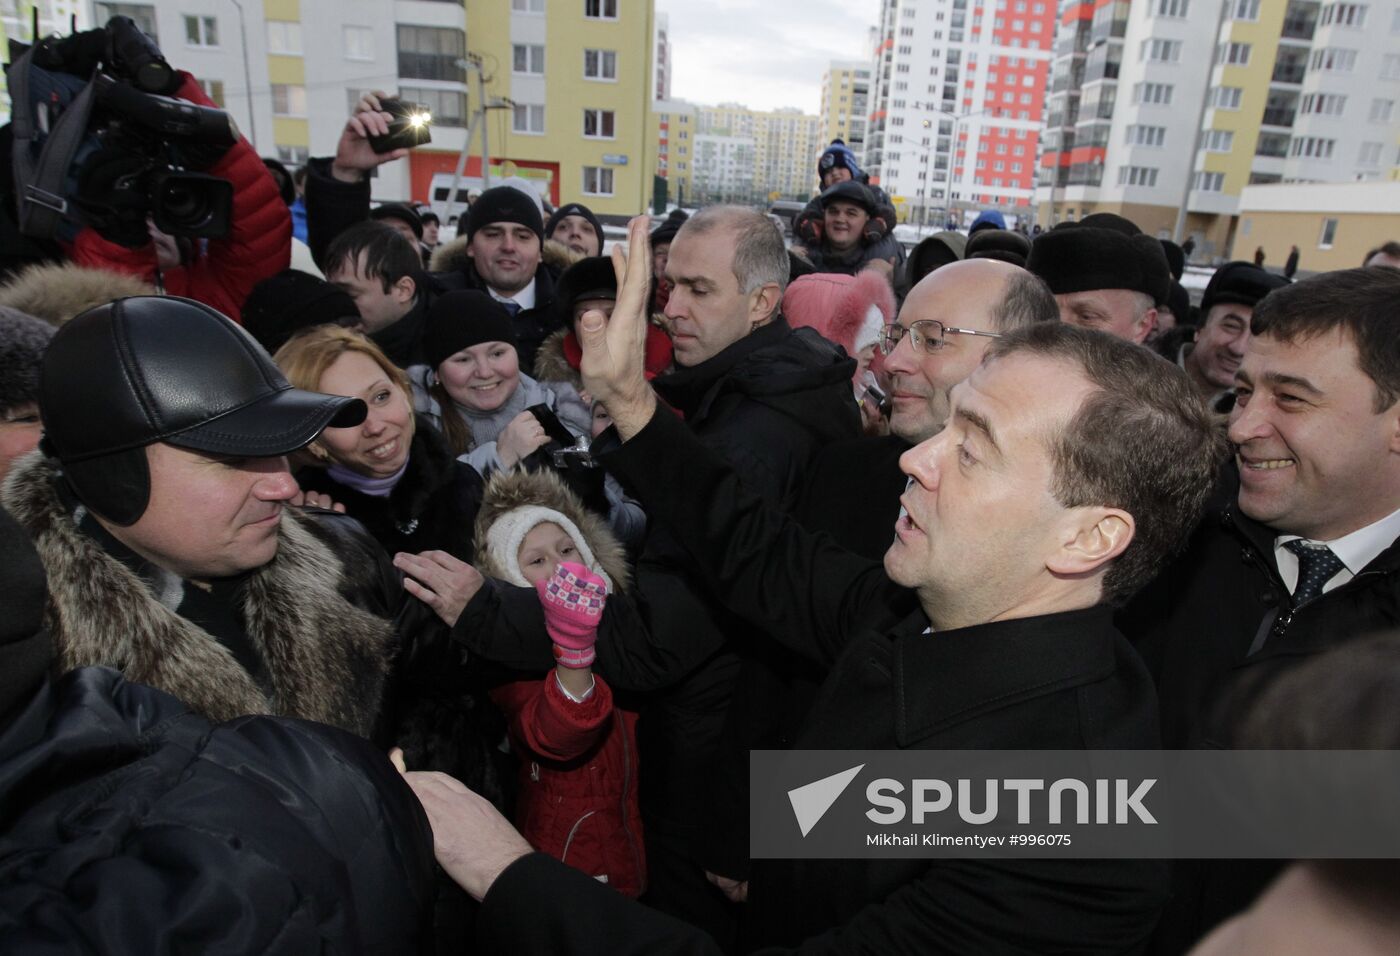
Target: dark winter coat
{"x": 433, "y": 506}
{"x": 578, "y": 791}
{"x": 132, "y": 825}
{"x": 1064, "y": 681}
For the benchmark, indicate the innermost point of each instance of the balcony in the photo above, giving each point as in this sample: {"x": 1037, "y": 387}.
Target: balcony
{"x": 1108, "y": 30}
{"x": 1289, "y": 72}
{"x": 1298, "y": 29}
{"x": 1271, "y": 144}
{"x": 1278, "y": 117}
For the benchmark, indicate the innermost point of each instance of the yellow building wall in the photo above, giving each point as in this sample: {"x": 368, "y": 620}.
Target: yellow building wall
{"x": 1253, "y": 80}
{"x": 1278, "y": 232}
{"x": 567, "y": 94}
{"x": 291, "y": 70}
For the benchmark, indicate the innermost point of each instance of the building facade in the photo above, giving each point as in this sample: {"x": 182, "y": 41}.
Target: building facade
{"x": 662, "y": 70}
{"x": 1334, "y": 225}
{"x": 845, "y": 106}
{"x": 958, "y": 103}
{"x": 1167, "y": 110}
{"x": 672, "y": 126}
{"x": 754, "y": 156}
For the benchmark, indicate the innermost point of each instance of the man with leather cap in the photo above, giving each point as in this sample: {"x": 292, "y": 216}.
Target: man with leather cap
{"x": 162, "y": 507}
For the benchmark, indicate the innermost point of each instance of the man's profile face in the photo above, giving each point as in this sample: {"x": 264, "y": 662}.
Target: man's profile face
{"x": 844, "y": 224}
{"x": 378, "y": 308}
{"x": 1314, "y": 455}
{"x": 1114, "y": 311}
{"x": 961, "y": 295}
{"x": 506, "y": 255}
{"x": 577, "y": 233}
{"x": 1221, "y": 344}
{"x": 979, "y": 520}
{"x": 430, "y": 233}
{"x": 210, "y": 517}
{"x": 707, "y": 310}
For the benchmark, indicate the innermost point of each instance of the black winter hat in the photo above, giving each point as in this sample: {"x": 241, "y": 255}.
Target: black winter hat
{"x": 1239, "y": 283}
{"x": 23, "y": 340}
{"x": 591, "y": 278}
{"x": 400, "y": 211}
{"x": 280, "y": 175}
{"x": 852, "y": 192}
{"x": 282, "y": 305}
{"x": 458, "y": 320}
{"x": 575, "y": 209}
{"x": 1074, "y": 257}
{"x": 505, "y": 204}
{"x": 1109, "y": 220}
{"x": 1005, "y": 245}
{"x": 1179, "y": 301}
{"x": 150, "y": 369}
{"x": 668, "y": 229}
{"x": 26, "y": 651}
{"x": 1176, "y": 258}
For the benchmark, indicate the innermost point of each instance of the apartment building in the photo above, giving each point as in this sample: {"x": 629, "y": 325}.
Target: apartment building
{"x": 958, "y": 101}
{"x": 672, "y": 126}
{"x": 845, "y": 103}
{"x": 662, "y": 66}
{"x": 1166, "y": 110}
{"x": 778, "y": 162}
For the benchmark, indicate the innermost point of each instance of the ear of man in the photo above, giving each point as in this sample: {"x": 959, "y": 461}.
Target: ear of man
{"x": 1093, "y": 537}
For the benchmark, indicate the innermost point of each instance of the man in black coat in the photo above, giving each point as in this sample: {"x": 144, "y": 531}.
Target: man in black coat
{"x": 990, "y": 626}
{"x": 1306, "y": 557}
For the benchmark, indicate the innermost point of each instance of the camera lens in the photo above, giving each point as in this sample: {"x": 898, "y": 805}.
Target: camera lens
{"x": 186, "y": 205}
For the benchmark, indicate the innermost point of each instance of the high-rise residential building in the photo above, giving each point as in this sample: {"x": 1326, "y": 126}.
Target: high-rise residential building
{"x": 846, "y": 103}
{"x": 958, "y": 99}
{"x": 662, "y": 90}
{"x": 672, "y": 127}
{"x": 782, "y": 158}
{"x": 1165, "y": 110}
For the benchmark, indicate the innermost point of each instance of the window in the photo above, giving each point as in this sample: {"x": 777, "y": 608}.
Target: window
{"x": 431, "y": 53}
{"x": 447, "y": 107}
{"x": 1137, "y": 176}
{"x": 1146, "y": 135}
{"x": 143, "y": 13}
{"x": 1390, "y": 67}
{"x": 1172, "y": 8}
{"x": 597, "y": 181}
{"x": 288, "y": 100}
{"x": 1209, "y": 182}
{"x": 598, "y": 124}
{"x": 214, "y": 89}
{"x": 202, "y": 31}
{"x": 528, "y": 58}
{"x": 1344, "y": 14}
{"x": 1382, "y": 110}
{"x": 1161, "y": 51}
{"x": 1325, "y": 104}
{"x": 293, "y": 155}
{"x": 1333, "y": 59}
{"x": 1236, "y": 54}
{"x": 1312, "y": 147}
{"x": 359, "y": 43}
{"x": 1226, "y": 97}
{"x": 1243, "y": 9}
{"x": 601, "y": 10}
{"x": 1219, "y": 141}
{"x": 1152, "y": 94}
{"x": 284, "y": 36}
{"x": 527, "y": 6}
{"x": 1370, "y": 155}
{"x": 1328, "y": 235}
{"x": 528, "y": 119}
{"x": 599, "y": 65}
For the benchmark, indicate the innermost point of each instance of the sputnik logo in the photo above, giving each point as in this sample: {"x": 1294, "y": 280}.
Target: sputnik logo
{"x": 811, "y": 801}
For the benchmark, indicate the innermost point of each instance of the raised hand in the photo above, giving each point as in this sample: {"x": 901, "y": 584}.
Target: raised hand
{"x": 614, "y": 350}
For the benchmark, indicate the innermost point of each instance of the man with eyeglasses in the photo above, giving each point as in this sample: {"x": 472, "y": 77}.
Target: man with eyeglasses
{"x": 949, "y": 319}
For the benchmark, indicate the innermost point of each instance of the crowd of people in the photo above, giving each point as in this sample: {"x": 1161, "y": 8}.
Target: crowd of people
{"x": 432, "y": 596}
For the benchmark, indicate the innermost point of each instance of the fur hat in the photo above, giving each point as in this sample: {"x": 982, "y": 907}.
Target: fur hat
{"x": 837, "y": 154}
{"x": 23, "y": 339}
{"x": 1239, "y": 283}
{"x": 57, "y": 291}
{"x": 505, "y": 204}
{"x": 668, "y": 229}
{"x": 847, "y": 310}
{"x": 518, "y": 500}
{"x": 576, "y": 209}
{"x": 460, "y": 319}
{"x": 591, "y": 278}
{"x": 1001, "y": 244}
{"x": 1176, "y": 258}
{"x": 1074, "y": 257}
{"x": 282, "y": 305}
{"x": 1179, "y": 301}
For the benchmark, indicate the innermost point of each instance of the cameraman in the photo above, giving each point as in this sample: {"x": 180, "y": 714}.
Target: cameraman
{"x": 218, "y": 272}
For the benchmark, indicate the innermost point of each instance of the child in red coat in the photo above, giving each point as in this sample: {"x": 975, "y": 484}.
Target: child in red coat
{"x": 578, "y": 753}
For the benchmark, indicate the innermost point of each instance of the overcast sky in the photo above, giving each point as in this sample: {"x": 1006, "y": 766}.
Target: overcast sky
{"x": 764, "y": 54}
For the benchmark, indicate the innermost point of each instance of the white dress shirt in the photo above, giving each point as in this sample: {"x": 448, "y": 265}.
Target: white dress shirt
{"x": 1356, "y": 550}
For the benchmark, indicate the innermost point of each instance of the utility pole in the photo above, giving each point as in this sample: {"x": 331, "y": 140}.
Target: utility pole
{"x": 472, "y": 64}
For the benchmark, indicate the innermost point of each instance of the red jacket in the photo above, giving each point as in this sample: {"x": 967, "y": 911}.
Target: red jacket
{"x": 258, "y": 245}
{"x": 578, "y": 779}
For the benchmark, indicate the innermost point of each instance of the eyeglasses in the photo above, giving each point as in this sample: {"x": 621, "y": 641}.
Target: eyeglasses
{"x": 926, "y": 335}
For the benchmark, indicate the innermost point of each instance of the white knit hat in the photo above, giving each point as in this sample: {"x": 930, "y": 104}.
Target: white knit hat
{"x": 506, "y": 532}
